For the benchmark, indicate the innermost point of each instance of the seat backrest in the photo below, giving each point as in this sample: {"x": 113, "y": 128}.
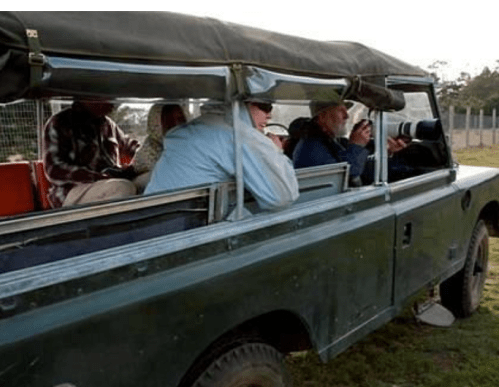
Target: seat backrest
{"x": 16, "y": 188}
{"x": 42, "y": 186}
{"x": 322, "y": 181}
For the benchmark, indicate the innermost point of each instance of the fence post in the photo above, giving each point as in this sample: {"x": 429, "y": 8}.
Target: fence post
{"x": 480, "y": 126}
{"x": 39, "y": 125}
{"x": 451, "y": 126}
{"x": 468, "y": 117}
{"x": 494, "y": 126}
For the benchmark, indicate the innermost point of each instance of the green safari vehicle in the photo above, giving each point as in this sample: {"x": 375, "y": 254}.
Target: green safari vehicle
{"x": 199, "y": 286}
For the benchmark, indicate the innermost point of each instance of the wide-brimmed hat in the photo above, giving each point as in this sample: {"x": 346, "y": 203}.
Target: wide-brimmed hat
{"x": 326, "y": 98}
{"x": 317, "y": 106}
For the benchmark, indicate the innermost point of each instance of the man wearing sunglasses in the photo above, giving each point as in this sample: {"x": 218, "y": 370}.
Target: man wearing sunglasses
{"x": 260, "y": 114}
{"x": 202, "y": 152}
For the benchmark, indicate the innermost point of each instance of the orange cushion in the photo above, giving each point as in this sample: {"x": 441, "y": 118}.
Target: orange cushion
{"x": 42, "y": 185}
{"x": 16, "y": 190}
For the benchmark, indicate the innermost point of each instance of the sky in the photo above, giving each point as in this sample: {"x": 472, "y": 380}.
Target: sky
{"x": 422, "y": 32}
{"x": 419, "y": 32}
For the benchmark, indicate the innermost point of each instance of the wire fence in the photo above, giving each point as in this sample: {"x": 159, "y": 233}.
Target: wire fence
{"x": 472, "y": 129}
{"x": 18, "y": 131}
{"x": 21, "y": 125}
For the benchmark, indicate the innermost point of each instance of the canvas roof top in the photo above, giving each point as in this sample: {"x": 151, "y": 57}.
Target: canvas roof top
{"x": 168, "y": 38}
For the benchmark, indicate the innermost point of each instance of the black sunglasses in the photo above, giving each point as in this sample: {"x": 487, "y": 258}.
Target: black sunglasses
{"x": 264, "y": 107}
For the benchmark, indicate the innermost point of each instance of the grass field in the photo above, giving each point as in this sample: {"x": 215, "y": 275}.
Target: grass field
{"x": 405, "y": 353}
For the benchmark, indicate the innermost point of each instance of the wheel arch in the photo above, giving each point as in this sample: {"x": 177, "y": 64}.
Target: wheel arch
{"x": 490, "y": 215}
{"x": 461, "y": 292}
{"x": 282, "y": 329}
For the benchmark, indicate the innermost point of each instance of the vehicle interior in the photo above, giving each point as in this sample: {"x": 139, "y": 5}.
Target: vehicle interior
{"x": 28, "y": 221}
{"x": 214, "y": 72}
{"x": 27, "y": 193}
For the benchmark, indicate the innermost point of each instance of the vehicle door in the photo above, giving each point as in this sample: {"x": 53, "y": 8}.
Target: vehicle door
{"x": 338, "y": 266}
{"x": 425, "y": 202}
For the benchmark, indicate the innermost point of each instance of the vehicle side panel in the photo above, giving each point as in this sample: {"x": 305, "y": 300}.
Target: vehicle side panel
{"x": 332, "y": 274}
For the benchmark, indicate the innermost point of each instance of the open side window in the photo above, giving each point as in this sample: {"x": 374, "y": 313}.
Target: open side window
{"x": 419, "y": 125}
{"x": 21, "y": 142}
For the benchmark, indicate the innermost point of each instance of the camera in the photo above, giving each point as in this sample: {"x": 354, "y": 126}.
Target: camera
{"x": 422, "y": 130}
{"x": 361, "y": 122}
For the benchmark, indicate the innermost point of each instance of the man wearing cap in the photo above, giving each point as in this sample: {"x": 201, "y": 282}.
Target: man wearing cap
{"x": 320, "y": 143}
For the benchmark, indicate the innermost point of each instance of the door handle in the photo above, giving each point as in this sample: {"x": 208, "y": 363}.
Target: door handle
{"x": 407, "y": 235}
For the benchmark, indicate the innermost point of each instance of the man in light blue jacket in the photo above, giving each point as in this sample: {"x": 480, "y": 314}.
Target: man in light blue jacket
{"x": 202, "y": 151}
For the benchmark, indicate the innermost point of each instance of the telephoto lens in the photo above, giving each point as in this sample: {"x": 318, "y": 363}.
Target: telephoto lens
{"x": 421, "y": 130}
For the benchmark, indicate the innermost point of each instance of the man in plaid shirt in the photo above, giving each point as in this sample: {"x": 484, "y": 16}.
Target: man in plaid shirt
{"x": 82, "y": 152}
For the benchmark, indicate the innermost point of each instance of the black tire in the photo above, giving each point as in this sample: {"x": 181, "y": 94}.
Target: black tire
{"x": 462, "y": 292}
{"x": 248, "y": 365}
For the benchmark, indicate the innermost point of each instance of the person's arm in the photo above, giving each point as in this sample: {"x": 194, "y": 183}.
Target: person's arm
{"x": 127, "y": 146}
{"x": 310, "y": 152}
{"x": 395, "y": 145}
{"x": 147, "y": 155}
{"x": 59, "y": 165}
{"x": 268, "y": 173}
{"x": 356, "y": 156}
{"x": 355, "y": 152}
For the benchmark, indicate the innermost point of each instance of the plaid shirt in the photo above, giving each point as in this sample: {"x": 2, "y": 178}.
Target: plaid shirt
{"x": 78, "y": 147}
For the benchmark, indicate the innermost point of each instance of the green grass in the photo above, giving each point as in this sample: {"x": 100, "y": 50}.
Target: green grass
{"x": 405, "y": 353}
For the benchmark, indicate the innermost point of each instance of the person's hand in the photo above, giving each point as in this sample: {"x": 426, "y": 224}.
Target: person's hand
{"x": 127, "y": 172}
{"x": 395, "y": 145}
{"x": 276, "y": 140}
{"x": 361, "y": 133}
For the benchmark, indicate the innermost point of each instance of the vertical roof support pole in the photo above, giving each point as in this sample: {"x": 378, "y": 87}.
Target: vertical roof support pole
{"x": 39, "y": 126}
{"x": 381, "y": 154}
{"x": 377, "y": 147}
{"x": 238, "y": 156}
{"x": 234, "y": 91}
{"x": 383, "y": 150}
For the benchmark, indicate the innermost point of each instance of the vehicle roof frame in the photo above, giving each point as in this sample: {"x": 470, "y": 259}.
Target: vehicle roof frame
{"x": 164, "y": 38}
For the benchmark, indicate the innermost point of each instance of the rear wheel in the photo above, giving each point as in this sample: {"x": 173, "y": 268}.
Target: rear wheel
{"x": 462, "y": 292}
{"x": 247, "y": 365}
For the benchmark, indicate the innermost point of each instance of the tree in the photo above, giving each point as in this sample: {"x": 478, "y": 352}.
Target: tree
{"x": 435, "y": 68}
{"x": 131, "y": 118}
{"x": 480, "y": 92}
